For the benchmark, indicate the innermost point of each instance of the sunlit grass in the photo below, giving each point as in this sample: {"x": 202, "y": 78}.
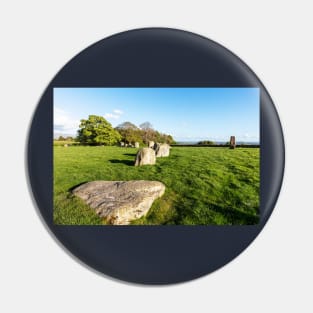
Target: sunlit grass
{"x": 204, "y": 185}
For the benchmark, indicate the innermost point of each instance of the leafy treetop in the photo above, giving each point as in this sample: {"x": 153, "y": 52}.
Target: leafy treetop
{"x": 96, "y": 130}
{"x": 146, "y": 126}
{"x": 127, "y": 125}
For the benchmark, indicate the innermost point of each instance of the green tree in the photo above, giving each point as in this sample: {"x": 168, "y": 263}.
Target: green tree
{"x": 126, "y": 125}
{"x": 169, "y": 139}
{"x": 147, "y": 132}
{"x": 129, "y": 132}
{"x": 96, "y": 130}
{"x": 146, "y": 125}
{"x": 130, "y": 135}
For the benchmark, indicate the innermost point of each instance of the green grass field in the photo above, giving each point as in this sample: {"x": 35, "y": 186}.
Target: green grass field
{"x": 63, "y": 142}
{"x": 204, "y": 185}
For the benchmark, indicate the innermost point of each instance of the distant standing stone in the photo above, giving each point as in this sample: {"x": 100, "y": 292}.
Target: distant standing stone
{"x": 151, "y": 144}
{"x": 163, "y": 150}
{"x": 66, "y": 145}
{"x": 122, "y": 144}
{"x": 232, "y": 142}
{"x": 120, "y": 202}
{"x": 145, "y": 156}
{"x": 136, "y": 144}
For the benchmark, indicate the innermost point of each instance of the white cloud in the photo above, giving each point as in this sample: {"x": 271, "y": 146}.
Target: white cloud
{"x": 118, "y": 112}
{"x": 111, "y": 116}
{"x": 251, "y": 137}
{"x": 115, "y": 115}
{"x": 63, "y": 123}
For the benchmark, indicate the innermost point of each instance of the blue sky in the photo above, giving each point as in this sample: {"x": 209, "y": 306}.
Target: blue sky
{"x": 188, "y": 114}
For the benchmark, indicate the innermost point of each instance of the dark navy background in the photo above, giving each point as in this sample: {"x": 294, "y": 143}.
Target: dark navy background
{"x": 154, "y": 58}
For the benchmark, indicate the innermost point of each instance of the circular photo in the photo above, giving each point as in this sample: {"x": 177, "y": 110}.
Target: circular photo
{"x": 155, "y": 156}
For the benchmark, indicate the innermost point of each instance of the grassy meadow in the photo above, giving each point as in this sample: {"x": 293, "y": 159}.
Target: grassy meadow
{"x": 204, "y": 185}
{"x": 65, "y": 142}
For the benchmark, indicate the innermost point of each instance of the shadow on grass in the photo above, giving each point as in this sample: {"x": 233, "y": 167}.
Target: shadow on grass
{"x": 126, "y": 162}
{"x": 235, "y": 216}
{"x": 130, "y": 154}
{"x": 72, "y": 188}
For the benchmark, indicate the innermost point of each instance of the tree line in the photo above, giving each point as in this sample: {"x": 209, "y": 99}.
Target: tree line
{"x": 130, "y": 133}
{"x": 96, "y": 130}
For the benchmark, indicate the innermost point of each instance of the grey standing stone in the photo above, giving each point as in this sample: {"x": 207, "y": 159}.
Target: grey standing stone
{"x": 145, "y": 156}
{"x": 162, "y": 150}
{"x": 151, "y": 144}
{"x": 136, "y": 144}
{"x": 232, "y": 142}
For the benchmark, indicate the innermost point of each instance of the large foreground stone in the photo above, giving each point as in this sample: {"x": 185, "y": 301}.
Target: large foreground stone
{"x": 145, "y": 156}
{"x": 120, "y": 202}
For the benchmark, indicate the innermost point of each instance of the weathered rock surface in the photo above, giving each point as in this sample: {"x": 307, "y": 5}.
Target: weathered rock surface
{"x": 136, "y": 144}
{"x": 120, "y": 202}
{"x": 145, "y": 156}
{"x": 151, "y": 144}
{"x": 162, "y": 150}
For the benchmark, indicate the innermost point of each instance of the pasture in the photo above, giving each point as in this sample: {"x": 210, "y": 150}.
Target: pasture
{"x": 204, "y": 185}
